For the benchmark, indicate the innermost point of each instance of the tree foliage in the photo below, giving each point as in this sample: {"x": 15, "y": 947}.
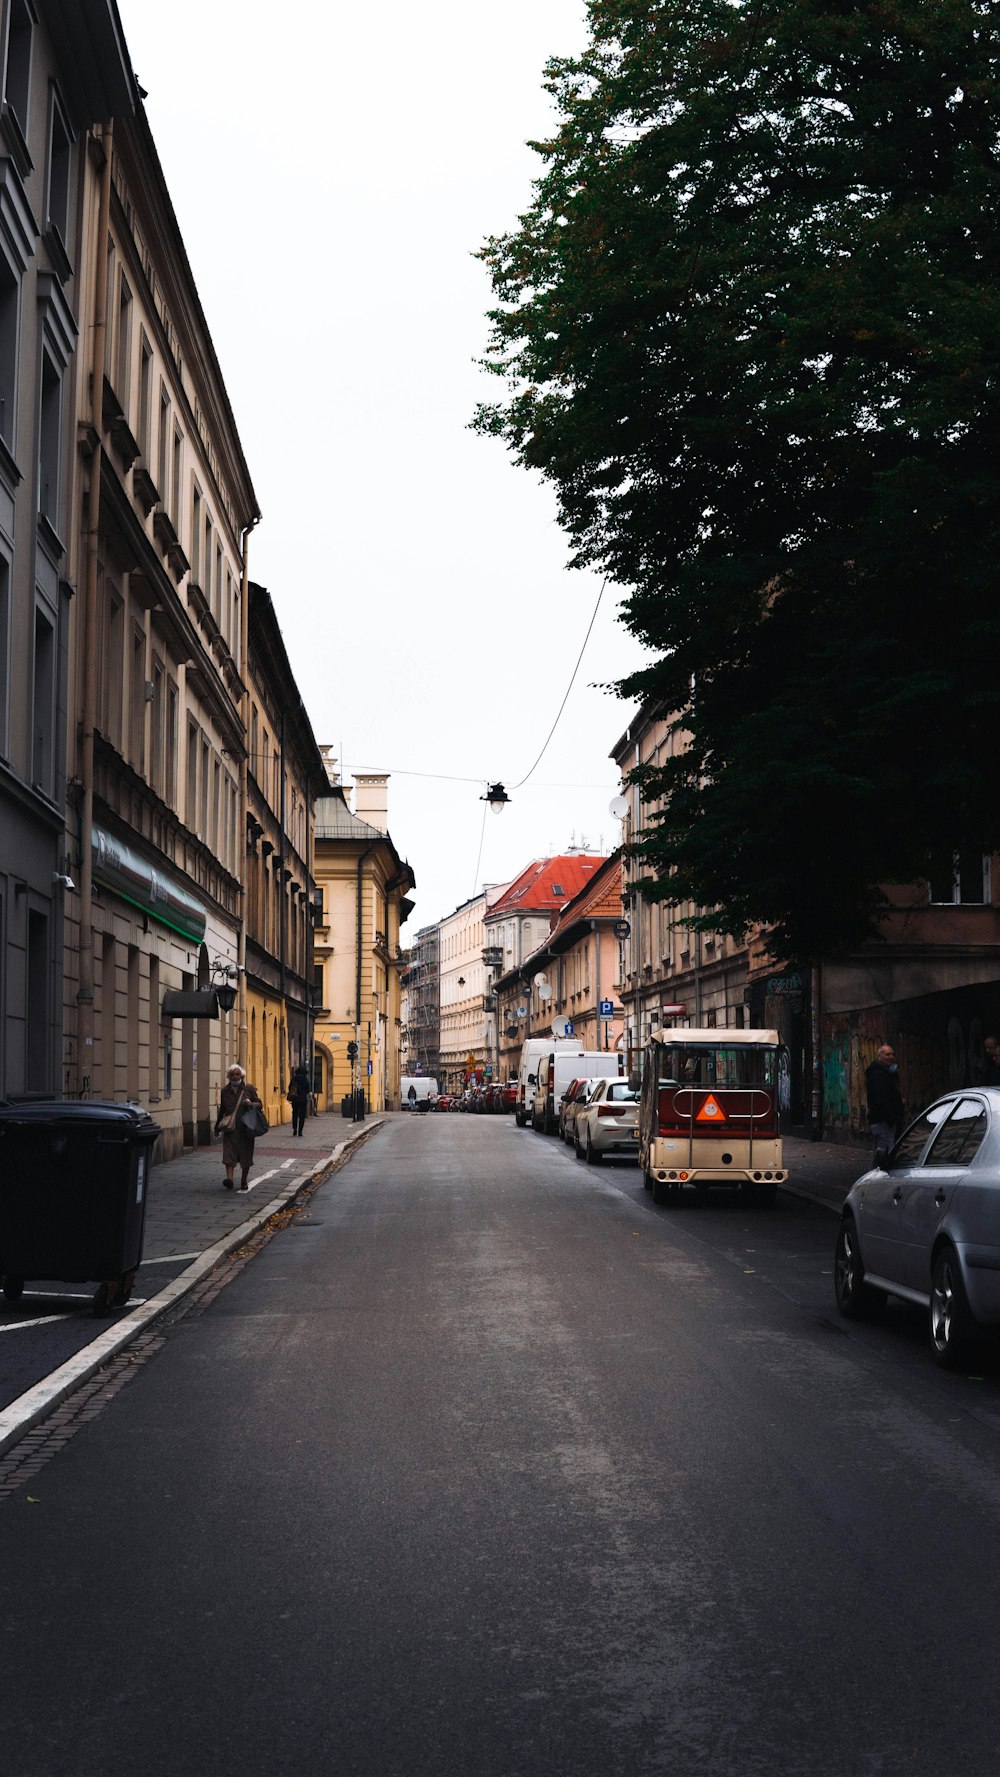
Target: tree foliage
{"x": 749, "y": 328}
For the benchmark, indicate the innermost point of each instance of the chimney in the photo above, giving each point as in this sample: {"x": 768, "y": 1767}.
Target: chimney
{"x": 371, "y": 798}
{"x": 326, "y": 754}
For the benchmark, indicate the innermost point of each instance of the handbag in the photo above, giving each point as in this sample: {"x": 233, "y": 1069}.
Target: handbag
{"x": 230, "y": 1121}
{"x": 254, "y": 1121}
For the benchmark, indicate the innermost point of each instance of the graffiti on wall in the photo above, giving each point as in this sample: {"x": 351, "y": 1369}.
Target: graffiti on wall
{"x": 938, "y": 1048}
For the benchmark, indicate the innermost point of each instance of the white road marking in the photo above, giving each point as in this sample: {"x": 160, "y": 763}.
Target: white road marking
{"x": 46, "y": 1320}
{"x": 172, "y": 1258}
{"x": 264, "y": 1176}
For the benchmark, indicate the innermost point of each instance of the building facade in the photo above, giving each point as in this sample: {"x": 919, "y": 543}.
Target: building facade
{"x": 64, "y": 70}
{"x": 422, "y": 1020}
{"x": 157, "y": 671}
{"x": 362, "y": 889}
{"x": 467, "y": 1024}
{"x": 286, "y": 774}
{"x": 568, "y": 985}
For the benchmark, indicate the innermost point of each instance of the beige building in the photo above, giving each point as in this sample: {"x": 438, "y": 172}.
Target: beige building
{"x": 362, "y": 886}
{"x": 157, "y": 753}
{"x": 467, "y": 1028}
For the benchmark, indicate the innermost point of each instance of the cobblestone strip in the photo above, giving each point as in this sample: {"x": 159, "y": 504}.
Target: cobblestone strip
{"x": 21, "y": 1464}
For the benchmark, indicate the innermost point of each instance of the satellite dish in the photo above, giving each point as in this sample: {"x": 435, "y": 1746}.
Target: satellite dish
{"x": 539, "y": 978}
{"x": 545, "y": 991}
{"x": 618, "y": 807}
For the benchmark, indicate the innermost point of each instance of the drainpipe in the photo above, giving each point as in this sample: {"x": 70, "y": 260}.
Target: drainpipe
{"x": 241, "y": 941}
{"x": 88, "y": 718}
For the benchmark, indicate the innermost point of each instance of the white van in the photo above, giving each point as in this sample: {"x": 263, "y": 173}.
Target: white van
{"x": 557, "y": 1069}
{"x": 532, "y": 1053}
{"x": 424, "y": 1092}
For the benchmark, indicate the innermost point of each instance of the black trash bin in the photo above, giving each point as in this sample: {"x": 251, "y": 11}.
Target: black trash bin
{"x": 74, "y": 1178}
{"x": 359, "y": 1105}
{"x": 347, "y": 1105}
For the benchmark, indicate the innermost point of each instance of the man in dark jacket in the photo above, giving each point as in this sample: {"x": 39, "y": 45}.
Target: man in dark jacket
{"x": 885, "y": 1104}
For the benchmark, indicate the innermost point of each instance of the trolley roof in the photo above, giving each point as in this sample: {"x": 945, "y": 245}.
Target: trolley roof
{"x": 720, "y": 1038}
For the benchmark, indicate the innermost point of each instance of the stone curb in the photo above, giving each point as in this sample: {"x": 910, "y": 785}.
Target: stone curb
{"x": 30, "y": 1408}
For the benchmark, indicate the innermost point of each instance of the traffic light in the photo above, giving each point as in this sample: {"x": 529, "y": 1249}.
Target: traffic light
{"x": 352, "y": 1051}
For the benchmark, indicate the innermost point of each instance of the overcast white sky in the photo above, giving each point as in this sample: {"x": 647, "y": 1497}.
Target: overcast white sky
{"x": 333, "y": 171}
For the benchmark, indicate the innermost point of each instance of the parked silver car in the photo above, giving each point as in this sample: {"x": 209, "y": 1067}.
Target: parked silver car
{"x": 608, "y": 1123}
{"x": 576, "y": 1097}
{"x": 924, "y": 1224}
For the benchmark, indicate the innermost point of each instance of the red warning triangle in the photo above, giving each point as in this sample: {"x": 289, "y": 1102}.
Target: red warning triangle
{"x": 711, "y": 1111}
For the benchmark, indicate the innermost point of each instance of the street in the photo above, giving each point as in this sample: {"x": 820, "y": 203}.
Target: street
{"x": 486, "y": 1465}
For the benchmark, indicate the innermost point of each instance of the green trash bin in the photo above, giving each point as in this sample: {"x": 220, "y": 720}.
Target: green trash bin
{"x": 74, "y": 1178}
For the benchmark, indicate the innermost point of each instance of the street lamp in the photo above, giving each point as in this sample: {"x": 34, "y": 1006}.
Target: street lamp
{"x": 497, "y": 797}
{"x": 223, "y": 977}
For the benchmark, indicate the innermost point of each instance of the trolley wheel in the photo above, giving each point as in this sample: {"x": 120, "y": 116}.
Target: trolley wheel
{"x": 104, "y": 1298}
{"x": 126, "y": 1285}
{"x": 13, "y": 1288}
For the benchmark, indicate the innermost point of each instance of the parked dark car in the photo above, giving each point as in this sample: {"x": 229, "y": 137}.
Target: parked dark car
{"x": 924, "y": 1224}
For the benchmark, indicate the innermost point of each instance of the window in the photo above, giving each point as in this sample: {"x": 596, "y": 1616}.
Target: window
{"x": 48, "y": 441}
{"x": 157, "y": 739}
{"x": 216, "y": 835}
{"x": 9, "y": 294}
{"x": 170, "y": 747}
{"x": 219, "y": 616}
{"x": 960, "y": 877}
{"x": 191, "y": 798}
{"x": 145, "y": 393}
{"x": 207, "y": 563}
{"x": 4, "y": 652}
{"x": 17, "y": 85}
{"x": 153, "y": 1014}
{"x": 37, "y": 1020}
{"x": 205, "y": 756}
{"x": 913, "y": 1141}
{"x": 163, "y": 445}
{"x": 175, "y": 490}
{"x": 137, "y": 700}
{"x": 43, "y": 704}
{"x": 961, "y": 1138}
{"x": 195, "y": 532}
{"x": 60, "y": 148}
{"x": 110, "y": 665}
{"x": 124, "y": 352}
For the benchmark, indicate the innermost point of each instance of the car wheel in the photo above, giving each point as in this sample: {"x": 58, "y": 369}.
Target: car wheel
{"x": 593, "y": 1157}
{"x": 13, "y": 1288}
{"x": 855, "y": 1298}
{"x": 950, "y": 1323}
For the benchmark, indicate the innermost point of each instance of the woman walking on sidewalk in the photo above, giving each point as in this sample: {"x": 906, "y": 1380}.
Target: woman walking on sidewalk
{"x": 237, "y": 1143}
{"x": 298, "y": 1096}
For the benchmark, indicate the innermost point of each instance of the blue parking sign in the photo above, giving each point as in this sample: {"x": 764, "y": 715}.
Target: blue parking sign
{"x": 605, "y": 1008}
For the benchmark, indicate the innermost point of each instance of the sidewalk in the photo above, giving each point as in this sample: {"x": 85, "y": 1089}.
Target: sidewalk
{"x": 189, "y": 1209}
{"x": 823, "y": 1171}
{"x": 192, "y": 1222}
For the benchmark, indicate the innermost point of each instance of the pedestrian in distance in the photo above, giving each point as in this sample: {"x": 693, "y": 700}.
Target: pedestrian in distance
{"x": 991, "y": 1065}
{"x": 237, "y": 1143}
{"x": 885, "y": 1103}
{"x": 299, "y": 1090}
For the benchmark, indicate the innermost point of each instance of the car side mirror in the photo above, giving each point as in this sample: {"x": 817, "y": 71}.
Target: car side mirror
{"x": 882, "y": 1156}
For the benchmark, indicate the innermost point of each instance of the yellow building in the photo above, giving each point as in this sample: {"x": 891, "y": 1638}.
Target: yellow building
{"x": 361, "y": 889}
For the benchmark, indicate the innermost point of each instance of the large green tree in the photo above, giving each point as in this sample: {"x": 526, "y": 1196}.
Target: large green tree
{"x": 750, "y": 330}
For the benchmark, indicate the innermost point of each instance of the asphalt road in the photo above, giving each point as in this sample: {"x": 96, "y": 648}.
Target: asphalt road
{"x": 487, "y": 1466}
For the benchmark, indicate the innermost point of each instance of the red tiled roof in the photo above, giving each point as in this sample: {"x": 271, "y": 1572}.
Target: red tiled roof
{"x": 601, "y": 899}
{"x": 534, "y": 890}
